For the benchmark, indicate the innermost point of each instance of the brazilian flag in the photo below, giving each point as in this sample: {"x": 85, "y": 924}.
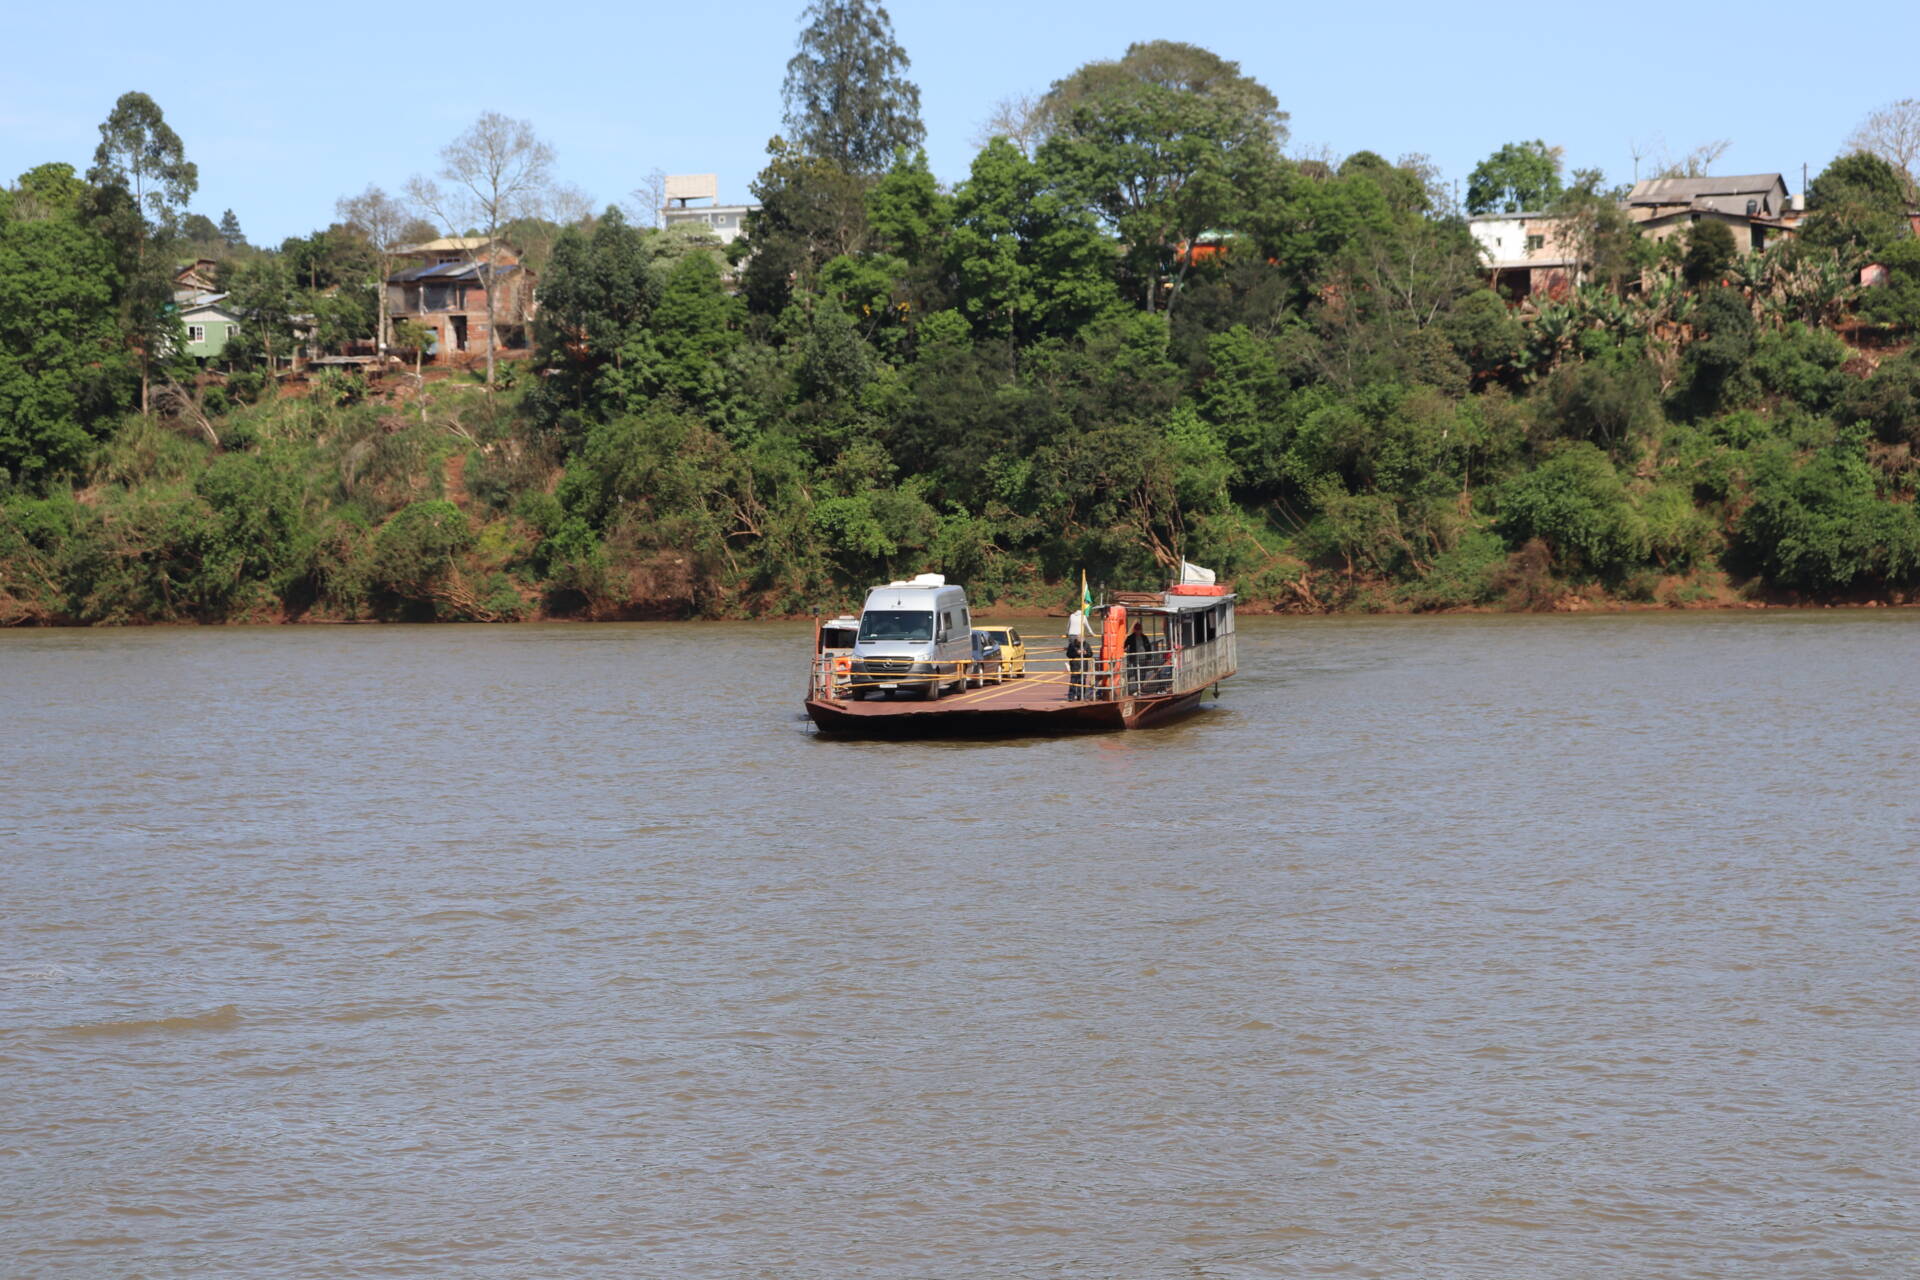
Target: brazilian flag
{"x": 1086, "y": 602}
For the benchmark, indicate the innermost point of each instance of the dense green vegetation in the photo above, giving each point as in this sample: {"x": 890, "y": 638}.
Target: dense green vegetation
{"x": 1028, "y": 374}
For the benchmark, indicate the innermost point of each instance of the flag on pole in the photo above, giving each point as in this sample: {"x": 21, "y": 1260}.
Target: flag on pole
{"x": 1086, "y": 600}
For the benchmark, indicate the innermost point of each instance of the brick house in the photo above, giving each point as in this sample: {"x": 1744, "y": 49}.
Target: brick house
{"x": 443, "y": 291}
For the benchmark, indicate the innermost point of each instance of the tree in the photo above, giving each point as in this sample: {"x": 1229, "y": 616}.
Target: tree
{"x": 140, "y": 156}
{"x": 1166, "y": 143}
{"x": 1026, "y": 263}
{"x": 811, "y": 210}
{"x": 497, "y": 171}
{"x": 1020, "y": 118}
{"x": 1857, "y": 205}
{"x": 46, "y": 191}
{"x": 1597, "y": 232}
{"x": 382, "y": 221}
{"x": 261, "y": 291}
{"x": 1893, "y": 134}
{"x": 63, "y": 373}
{"x": 649, "y": 198}
{"x": 1709, "y": 252}
{"x": 1695, "y": 163}
{"x": 1519, "y": 177}
{"x": 847, "y": 97}
{"x": 595, "y": 298}
{"x": 230, "y": 230}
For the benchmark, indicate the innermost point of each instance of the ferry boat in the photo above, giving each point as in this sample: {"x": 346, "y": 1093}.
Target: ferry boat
{"x": 1151, "y": 657}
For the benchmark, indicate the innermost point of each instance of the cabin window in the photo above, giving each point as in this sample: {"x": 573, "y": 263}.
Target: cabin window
{"x": 196, "y": 333}
{"x": 1535, "y": 243}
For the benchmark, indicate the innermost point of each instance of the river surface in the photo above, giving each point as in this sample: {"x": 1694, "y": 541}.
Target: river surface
{"x": 1464, "y": 947}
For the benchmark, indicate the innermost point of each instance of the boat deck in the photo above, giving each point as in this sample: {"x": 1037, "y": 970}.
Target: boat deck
{"x": 1037, "y": 691}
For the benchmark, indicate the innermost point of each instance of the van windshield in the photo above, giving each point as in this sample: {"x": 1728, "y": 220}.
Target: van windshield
{"x": 896, "y": 624}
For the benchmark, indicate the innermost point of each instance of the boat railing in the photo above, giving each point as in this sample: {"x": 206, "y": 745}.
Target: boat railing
{"x": 1145, "y": 673}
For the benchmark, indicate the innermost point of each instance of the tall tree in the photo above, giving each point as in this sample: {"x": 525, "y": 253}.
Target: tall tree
{"x": 383, "y": 221}
{"x": 230, "y": 230}
{"x": 1893, "y": 134}
{"x": 811, "y": 210}
{"x": 1165, "y": 143}
{"x": 1521, "y": 176}
{"x": 261, "y": 289}
{"x": 141, "y": 156}
{"x": 1025, "y": 263}
{"x": 847, "y": 97}
{"x": 496, "y": 171}
{"x": 63, "y": 369}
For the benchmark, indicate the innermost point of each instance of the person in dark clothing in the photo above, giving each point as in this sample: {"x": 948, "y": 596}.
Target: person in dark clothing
{"x": 1079, "y": 649}
{"x": 1139, "y": 654}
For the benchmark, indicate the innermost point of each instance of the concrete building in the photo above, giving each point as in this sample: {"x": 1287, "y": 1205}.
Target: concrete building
{"x": 1522, "y": 254}
{"x": 694, "y": 198}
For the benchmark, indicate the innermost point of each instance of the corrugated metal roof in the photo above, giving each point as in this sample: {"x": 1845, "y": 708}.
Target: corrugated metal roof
{"x": 1686, "y": 190}
{"x": 449, "y": 271}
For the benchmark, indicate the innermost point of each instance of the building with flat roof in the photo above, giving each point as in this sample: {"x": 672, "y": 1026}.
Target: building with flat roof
{"x": 1523, "y": 254}
{"x": 693, "y": 198}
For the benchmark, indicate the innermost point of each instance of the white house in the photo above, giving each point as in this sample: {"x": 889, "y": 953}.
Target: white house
{"x": 1521, "y": 253}
{"x": 693, "y": 198}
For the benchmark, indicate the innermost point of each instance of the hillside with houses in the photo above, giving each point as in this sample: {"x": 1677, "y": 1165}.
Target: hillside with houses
{"x": 1140, "y": 329}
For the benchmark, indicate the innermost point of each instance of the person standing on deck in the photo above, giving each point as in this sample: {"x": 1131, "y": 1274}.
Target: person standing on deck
{"x": 1077, "y": 651}
{"x": 1138, "y": 647}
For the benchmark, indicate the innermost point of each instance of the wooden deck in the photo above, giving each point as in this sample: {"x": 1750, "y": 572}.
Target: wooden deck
{"x": 1037, "y": 703}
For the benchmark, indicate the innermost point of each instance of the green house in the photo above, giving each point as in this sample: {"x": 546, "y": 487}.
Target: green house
{"x": 210, "y": 327}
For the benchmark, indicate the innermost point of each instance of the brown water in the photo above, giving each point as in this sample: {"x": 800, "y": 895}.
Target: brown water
{"x": 1440, "y": 948}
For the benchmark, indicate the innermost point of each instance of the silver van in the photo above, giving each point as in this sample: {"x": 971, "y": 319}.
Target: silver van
{"x": 916, "y": 636}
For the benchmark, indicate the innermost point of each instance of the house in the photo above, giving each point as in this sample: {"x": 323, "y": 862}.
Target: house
{"x": 1754, "y": 206}
{"x": 1523, "y": 254}
{"x": 444, "y": 290}
{"x": 692, "y": 198}
{"x": 193, "y": 278}
{"x": 210, "y": 326}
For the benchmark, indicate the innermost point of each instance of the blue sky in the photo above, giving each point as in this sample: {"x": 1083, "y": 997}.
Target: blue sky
{"x": 286, "y": 107}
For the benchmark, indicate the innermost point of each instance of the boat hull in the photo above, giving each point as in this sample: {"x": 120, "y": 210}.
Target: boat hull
{"x": 990, "y": 719}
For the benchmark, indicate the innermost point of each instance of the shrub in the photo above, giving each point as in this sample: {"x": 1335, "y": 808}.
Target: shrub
{"x": 1717, "y": 361}
{"x": 1462, "y": 577}
{"x": 1801, "y": 364}
{"x": 1606, "y": 401}
{"x": 414, "y": 552}
{"x": 1819, "y": 524}
{"x": 1575, "y": 503}
{"x": 1888, "y": 402}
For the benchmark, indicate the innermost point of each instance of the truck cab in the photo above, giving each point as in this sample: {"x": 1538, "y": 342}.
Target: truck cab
{"x": 916, "y": 637}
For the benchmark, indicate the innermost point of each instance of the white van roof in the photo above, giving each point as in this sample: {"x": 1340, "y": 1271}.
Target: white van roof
{"x": 921, "y": 580}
